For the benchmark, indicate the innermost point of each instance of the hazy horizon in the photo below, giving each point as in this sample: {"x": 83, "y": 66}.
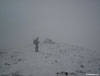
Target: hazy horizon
{"x": 67, "y": 21}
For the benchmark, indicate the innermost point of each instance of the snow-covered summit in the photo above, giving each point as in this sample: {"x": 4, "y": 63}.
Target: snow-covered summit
{"x": 50, "y": 60}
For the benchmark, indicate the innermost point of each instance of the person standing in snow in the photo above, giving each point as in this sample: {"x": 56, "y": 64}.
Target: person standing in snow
{"x": 36, "y": 43}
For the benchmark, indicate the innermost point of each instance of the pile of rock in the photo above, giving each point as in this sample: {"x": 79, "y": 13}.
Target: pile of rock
{"x": 66, "y": 74}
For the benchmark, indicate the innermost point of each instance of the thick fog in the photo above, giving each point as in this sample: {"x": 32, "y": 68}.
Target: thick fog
{"x": 66, "y": 21}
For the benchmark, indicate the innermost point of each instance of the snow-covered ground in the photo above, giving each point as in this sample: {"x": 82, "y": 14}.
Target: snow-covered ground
{"x": 52, "y": 58}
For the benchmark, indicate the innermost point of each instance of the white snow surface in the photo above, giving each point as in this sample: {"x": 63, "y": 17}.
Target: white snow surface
{"x": 50, "y": 59}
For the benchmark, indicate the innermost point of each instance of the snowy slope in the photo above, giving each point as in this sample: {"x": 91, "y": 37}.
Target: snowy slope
{"x": 52, "y": 58}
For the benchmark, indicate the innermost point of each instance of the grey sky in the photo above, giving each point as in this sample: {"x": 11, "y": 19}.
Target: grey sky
{"x": 66, "y": 21}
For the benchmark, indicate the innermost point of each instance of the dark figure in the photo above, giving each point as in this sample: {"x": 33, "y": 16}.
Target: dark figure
{"x": 36, "y": 43}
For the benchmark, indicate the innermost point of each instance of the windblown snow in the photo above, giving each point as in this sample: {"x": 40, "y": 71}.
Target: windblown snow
{"x": 52, "y": 58}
